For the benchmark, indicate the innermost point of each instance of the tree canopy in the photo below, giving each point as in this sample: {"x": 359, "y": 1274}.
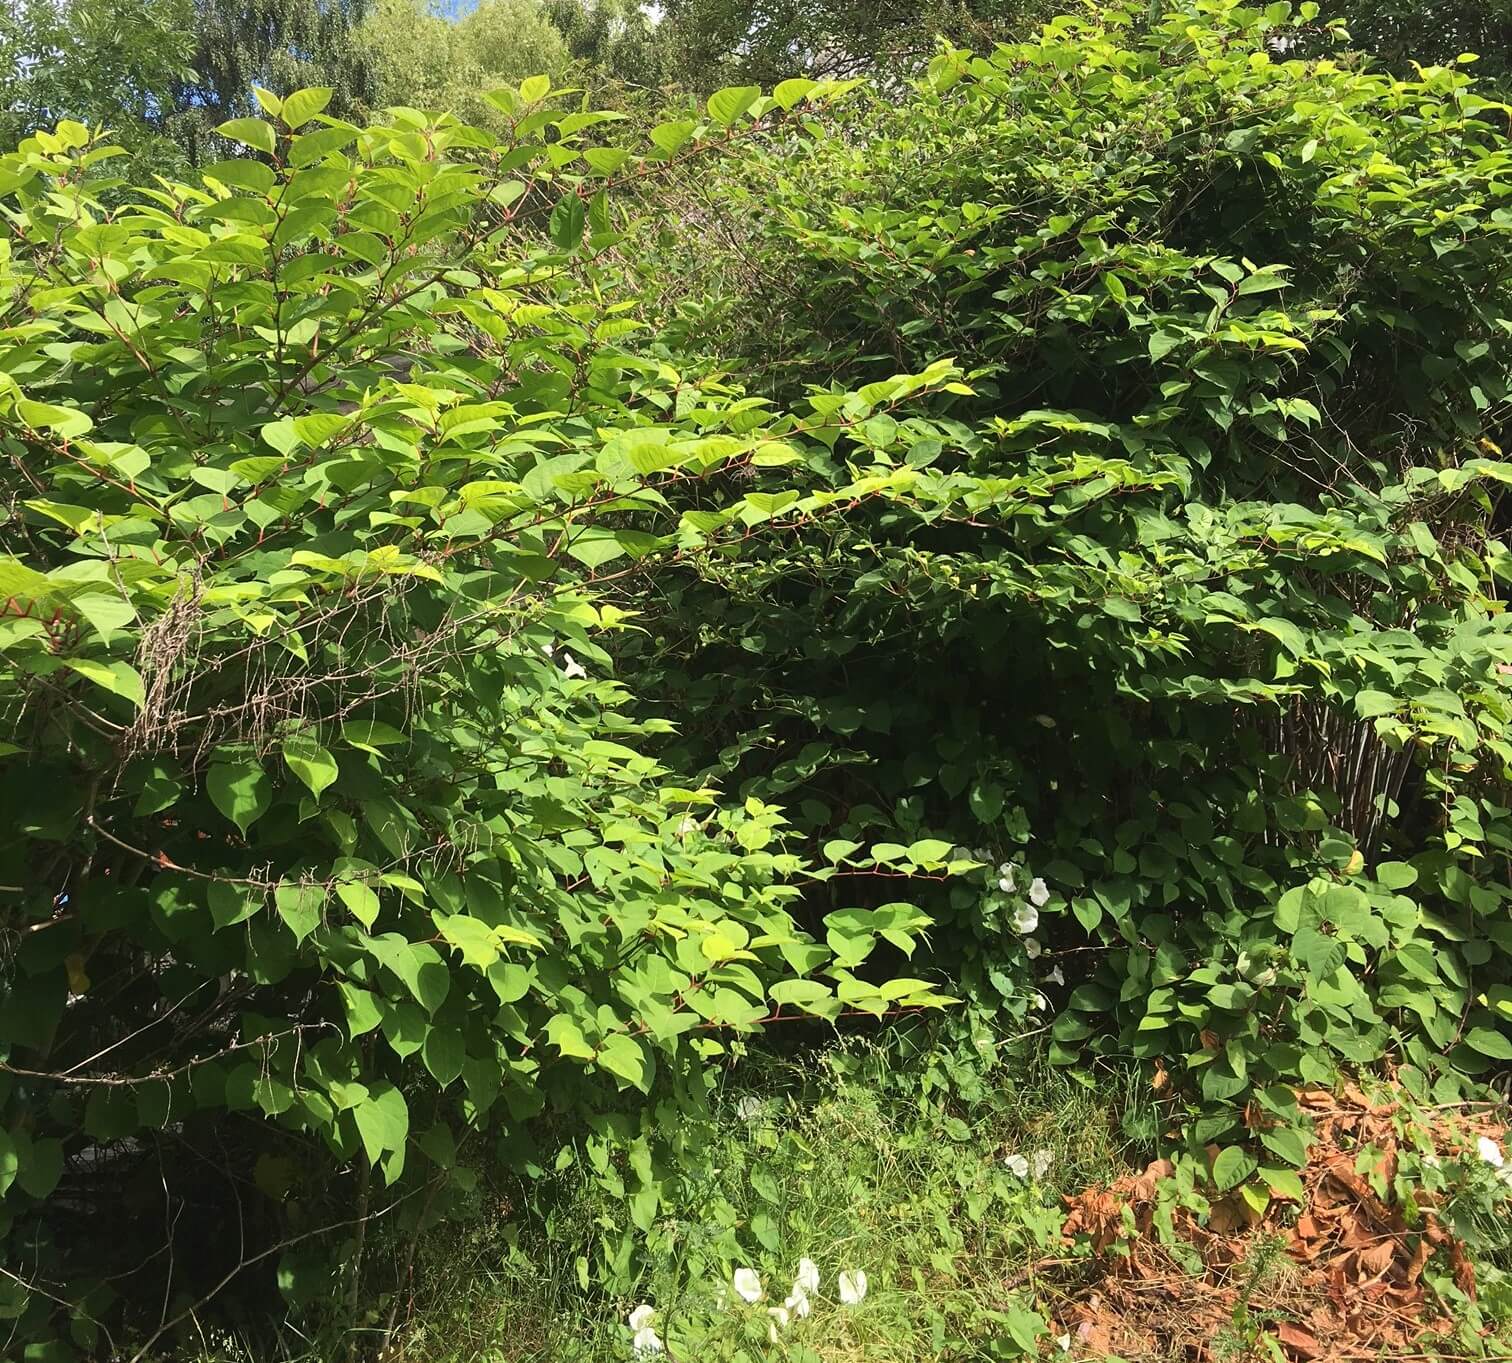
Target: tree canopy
{"x": 417, "y": 57}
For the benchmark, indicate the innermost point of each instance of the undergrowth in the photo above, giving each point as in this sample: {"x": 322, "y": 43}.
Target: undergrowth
{"x": 949, "y": 1197}
{"x": 832, "y": 1157}
{"x": 951, "y": 1209}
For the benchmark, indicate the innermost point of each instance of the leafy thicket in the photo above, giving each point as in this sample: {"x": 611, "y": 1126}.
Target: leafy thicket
{"x": 1193, "y": 607}
{"x": 1051, "y": 532}
{"x": 321, "y": 478}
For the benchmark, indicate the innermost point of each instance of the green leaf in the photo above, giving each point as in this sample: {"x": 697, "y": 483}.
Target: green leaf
{"x": 1287, "y": 1142}
{"x": 1490, "y": 1042}
{"x": 443, "y": 1053}
{"x": 405, "y": 1027}
{"x": 565, "y": 1034}
{"x": 250, "y": 132}
{"x": 371, "y": 735}
{"x": 44, "y": 416}
{"x": 567, "y": 220}
{"x": 1320, "y": 954}
{"x": 1232, "y": 1167}
{"x": 1025, "y": 1328}
{"x": 240, "y": 789}
{"x": 929, "y": 850}
{"x": 787, "y": 93}
{"x": 1396, "y": 875}
{"x": 1285, "y": 1183}
{"x": 476, "y": 941}
{"x": 1162, "y": 343}
{"x": 300, "y": 107}
{"x": 417, "y": 964}
{"x": 120, "y": 679}
{"x": 253, "y": 176}
{"x": 622, "y": 1055}
{"x": 40, "y": 1168}
{"x": 671, "y": 137}
{"x": 361, "y": 1009}
{"x": 809, "y": 995}
{"x": 108, "y": 615}
{"x": 727, "y": 105}
{"x": 986, "y": 801}
{"x": 1089, "y": 913}
{"x": 1370, "y": 704}
{"x": 1287, "y": 632}
{"x": 232, "y": 903}
{"x": 10, "y": 1162}
{"x": 300, "y": 905}
{"x": 360, "y": 899}
{"x": 535, "y": 88}
{"x": 382, "y": 1120}
{"x": 310, "y": 762}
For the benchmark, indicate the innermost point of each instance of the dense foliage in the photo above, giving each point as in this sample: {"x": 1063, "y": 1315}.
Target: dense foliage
{"x": 1043, "y": 555}
{"x": 1192, "y": 608}
{"x": 319, "y": 477}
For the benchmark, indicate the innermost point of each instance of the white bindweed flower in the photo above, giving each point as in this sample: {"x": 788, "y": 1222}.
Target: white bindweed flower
{"x": 1064, "y": 1344}
{"x": 1040, "y": 1162}
{"x": 747, "y": 1285}
{"x": 748, "y": 1109}
{"x": 1005, "y": 877}
{"x": 1032, "y": 948}
{"x": 798, "y": 1302}
{"x": 808, "y": 1276}
{"x": 852, "y": 1286}
{"x": 1489, "y": 1151}
{"x": 1025, "y": 919}
{"x": 688, "y": 825}
{"x": 1265, "y": 978}
{"x": 1039, "y": 894}
{"x": 1018, "y": 1165}
{"x": 571, "y": 667}
{"x": 646, "y": 1340}
{"x": 1056, "y": 976}
{"x": 1040, "y": 1001}
{"x": 780, "y": 1317}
